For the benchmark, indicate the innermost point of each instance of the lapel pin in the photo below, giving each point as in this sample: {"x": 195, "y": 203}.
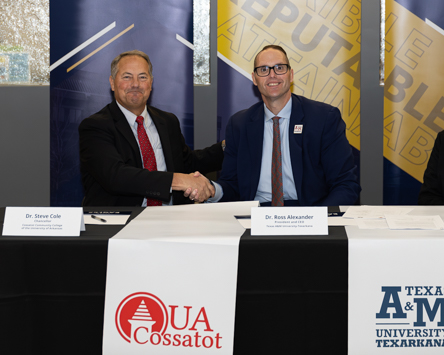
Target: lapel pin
{"x": 297, "y": 129}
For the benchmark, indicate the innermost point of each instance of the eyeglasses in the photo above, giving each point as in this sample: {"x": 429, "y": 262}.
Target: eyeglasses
{"x": 279, "y": 69}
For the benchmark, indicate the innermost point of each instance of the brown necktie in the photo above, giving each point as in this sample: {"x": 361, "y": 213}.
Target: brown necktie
{"x": 149, "y": 159}
{"x": 277, "y": 190}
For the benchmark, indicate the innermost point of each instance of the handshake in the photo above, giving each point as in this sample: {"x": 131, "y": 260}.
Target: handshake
{"x": 195, "y": 186}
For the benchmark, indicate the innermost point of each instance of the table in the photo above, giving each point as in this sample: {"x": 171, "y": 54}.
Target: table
{"x": 291, "y": 293}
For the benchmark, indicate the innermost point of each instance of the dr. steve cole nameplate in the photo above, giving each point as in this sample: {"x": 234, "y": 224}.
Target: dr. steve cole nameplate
{"x": 43, "y": 221}
{"x": 289, "y": 221}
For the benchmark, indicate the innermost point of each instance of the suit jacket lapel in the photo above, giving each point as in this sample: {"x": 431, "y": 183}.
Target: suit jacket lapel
{"x": 124, "y": 128}
{"x": 255, "y": 136}
{"x": 295, "y": 143}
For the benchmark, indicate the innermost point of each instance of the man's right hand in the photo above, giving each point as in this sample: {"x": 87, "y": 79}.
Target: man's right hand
{"x": 195, "y": 185}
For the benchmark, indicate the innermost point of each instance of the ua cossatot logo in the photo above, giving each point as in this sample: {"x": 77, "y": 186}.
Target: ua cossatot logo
{"x": 142, "y": 318}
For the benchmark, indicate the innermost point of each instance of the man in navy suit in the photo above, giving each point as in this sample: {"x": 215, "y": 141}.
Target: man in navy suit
{"x": 317, "y": 162}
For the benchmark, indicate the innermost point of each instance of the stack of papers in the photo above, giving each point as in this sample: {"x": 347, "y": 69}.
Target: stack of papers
{"x": 392, "y": 217}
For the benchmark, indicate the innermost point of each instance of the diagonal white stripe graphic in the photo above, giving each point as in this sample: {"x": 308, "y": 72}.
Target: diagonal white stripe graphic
{"x": 434, "y": 26}
{"x": 184, "y": 41}
{"x": 226, "y": 60}
{"x": 234, "y": 66}
{"x": 83, "y": 45}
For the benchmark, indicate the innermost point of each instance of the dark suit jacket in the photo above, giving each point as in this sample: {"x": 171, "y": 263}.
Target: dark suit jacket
{"x": 432, "y": 190}
{"x": 112, "y": 168}
{"x": 321, "y": 157}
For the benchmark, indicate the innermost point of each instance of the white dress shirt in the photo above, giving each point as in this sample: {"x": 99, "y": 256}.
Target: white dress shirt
{"x": 153, "y": 136}
{"x": 263, "y": 193}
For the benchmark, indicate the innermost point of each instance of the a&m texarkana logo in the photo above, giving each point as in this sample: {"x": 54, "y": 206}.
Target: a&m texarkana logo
{"x": 142, "y": 318}
{"x": 411, "y": 317}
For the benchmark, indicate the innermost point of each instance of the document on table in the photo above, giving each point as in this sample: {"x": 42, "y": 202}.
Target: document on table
{"x": 404, "y": 222}
{"x": 415, "y": 222}
{"x": 375, "y": 211}
{"x": 337, "y": 219}
{"x": 107, "y": 218}
{"x": 379, "y": 223}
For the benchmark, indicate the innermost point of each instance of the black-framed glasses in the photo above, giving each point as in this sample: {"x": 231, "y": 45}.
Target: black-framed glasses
{"x": 279, "y": 69}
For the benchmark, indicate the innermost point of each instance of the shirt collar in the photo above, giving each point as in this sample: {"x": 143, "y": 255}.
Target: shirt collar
{"x": 131, "y": 117}
{"x": 284, "y": 113}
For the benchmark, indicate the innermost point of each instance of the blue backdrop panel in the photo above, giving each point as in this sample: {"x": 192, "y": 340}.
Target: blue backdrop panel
{"x": 85, "y": 89}
{"x": 426, "y": 9}
{"x": 234, "y": 93}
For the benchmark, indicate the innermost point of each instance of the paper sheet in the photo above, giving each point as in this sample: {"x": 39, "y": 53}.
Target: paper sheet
{"x": 415, "y": 222}
{"x": 375, "y": 211}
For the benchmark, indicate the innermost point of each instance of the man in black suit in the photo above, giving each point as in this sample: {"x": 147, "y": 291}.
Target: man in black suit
{"x": 432, "y": 189}
{"x": 112, "y": 165}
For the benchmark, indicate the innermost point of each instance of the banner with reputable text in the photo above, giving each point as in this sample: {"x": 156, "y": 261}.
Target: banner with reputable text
{"x": 85, "y": 37}
{"x": 413, "y": 93}
{"x": 322, "y": 41}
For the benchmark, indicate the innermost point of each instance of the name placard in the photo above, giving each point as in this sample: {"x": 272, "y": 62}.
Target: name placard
{"x": 43, "y": 221}
{"x": 289, "y": 221}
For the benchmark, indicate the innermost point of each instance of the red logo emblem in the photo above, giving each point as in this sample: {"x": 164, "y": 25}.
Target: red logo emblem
{"x": 141, "y": 311}
{"x": 142, "y": 318}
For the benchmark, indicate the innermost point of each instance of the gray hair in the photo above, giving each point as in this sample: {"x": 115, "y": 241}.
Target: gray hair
{"x": 116, "y": 60}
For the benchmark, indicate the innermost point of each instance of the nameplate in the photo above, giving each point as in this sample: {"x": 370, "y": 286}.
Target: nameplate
{"x": 289, "y": 221}
{"x": 43, "y": 221}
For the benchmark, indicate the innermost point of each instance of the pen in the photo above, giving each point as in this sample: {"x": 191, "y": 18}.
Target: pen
{"x": 98, "y": 218}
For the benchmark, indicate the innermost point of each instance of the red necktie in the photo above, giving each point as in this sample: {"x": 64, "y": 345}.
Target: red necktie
{"x": 277, "y": 190}
{"x": 149, "y": 159}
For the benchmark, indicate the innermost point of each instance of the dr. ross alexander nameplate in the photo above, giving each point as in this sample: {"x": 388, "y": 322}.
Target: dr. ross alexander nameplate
{"x": 289, "y": 221}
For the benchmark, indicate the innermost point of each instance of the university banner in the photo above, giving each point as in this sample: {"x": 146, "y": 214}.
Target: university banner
{"x": 322, "y": 41}
{"x": 171, "y": 281}
{"x": 413, "y": 93}
{"x": 396, "y": 290}
{"x": 85, "y": 37}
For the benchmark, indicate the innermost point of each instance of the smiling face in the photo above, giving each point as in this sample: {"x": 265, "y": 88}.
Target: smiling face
{"x": 275, "y": 89}
{"x": 132, "y": 83}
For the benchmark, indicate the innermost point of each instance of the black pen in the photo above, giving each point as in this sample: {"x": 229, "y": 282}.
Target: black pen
{"x": 98, "y": 218}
